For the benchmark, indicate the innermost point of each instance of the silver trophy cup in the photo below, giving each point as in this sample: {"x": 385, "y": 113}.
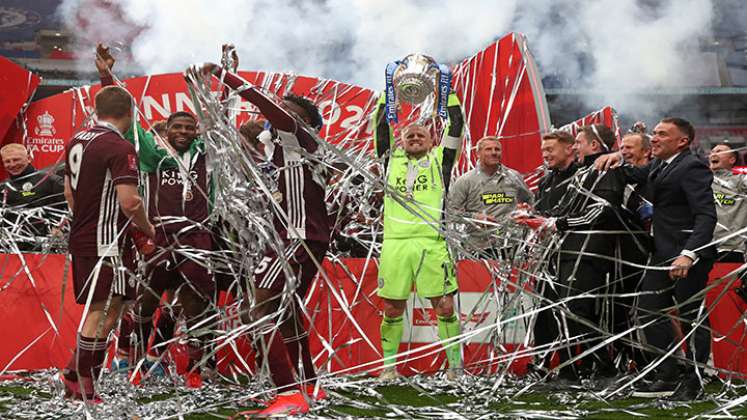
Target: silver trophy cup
{"x": 416, "y": 78}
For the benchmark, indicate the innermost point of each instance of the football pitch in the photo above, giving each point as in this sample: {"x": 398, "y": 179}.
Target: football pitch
{"x": 422, "y": 397}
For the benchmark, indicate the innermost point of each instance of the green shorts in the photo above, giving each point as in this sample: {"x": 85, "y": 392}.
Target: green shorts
{"x": 426, "y": 261}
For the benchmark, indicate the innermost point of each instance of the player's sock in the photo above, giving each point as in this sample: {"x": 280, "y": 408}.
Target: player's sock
{"x": 143, "y": 327}
{"x": 125, "y": 331}
{"x": 91, "y": 355}
{"x": 391, "y": 335}
{"x": 278, "y": 360}
{"x": 164, "y": 331}
{"x": 448, "y": 327}
{"x": 298, "y": 350}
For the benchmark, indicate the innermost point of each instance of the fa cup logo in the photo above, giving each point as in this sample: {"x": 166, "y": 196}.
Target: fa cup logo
{"x": 45, "y": 127}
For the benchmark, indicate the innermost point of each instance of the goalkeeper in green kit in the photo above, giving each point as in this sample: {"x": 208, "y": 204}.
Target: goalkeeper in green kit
{"x": 417, "y": 177}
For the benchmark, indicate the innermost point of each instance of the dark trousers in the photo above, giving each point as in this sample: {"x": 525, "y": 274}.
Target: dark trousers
{"x": 659, "y": 293}
{"x": 583, "y": 318}
{"x": 546, "y": 329}
{"x": 628, "y": 281}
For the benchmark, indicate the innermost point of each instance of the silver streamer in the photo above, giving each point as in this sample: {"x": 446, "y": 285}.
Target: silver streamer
{"x": 243, "y": 215}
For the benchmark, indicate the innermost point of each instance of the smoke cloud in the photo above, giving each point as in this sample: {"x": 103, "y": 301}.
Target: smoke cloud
{"x": 608, "y": 47}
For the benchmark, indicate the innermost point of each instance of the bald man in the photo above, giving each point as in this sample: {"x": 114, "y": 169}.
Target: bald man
{"x": 28, "y": 188}
{"x": 414, "y": 250}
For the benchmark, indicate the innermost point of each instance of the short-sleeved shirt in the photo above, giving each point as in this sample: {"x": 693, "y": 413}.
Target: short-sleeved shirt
{"x": 178, "y": 194}
{"x": 177, "y": 199}
{"x": 731, "y": 208}
{"x": 97, "y": 160}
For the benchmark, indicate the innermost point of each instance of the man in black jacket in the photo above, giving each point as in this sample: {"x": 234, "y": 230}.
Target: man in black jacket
{"x": 592, "y": 203}
{"x": 28, "y": 188}
{"x": 558, "y": 154}
{"x": 683, "y": 223}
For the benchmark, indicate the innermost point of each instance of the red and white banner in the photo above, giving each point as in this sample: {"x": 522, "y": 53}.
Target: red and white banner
{"x": 345, "y": 319}
{"x": 500, "y": 89}
{"x": 605, "y": 116}
{"x": 18, "y": 86}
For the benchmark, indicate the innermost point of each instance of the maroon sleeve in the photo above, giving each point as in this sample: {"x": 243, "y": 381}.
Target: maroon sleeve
{"x": 107, "y": 80}
{"x": 123, "y": 164}
{"x": 67, "y": 150}
{"x": 278, "y": 117}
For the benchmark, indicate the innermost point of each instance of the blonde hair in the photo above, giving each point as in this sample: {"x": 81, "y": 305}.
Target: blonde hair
{"x": 487, "y": 138}
{"x": 13, "y": 147}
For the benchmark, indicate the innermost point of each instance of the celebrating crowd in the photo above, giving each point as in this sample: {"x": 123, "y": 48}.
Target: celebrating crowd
{"x": 636, "y": 228}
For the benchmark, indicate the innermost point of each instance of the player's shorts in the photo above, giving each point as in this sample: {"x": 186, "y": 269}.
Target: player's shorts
{"x": 180, "y": 261}
{"x": 271, "y": 272}
{"x": 424, "y": 261}
{"x": 95, "y": 279}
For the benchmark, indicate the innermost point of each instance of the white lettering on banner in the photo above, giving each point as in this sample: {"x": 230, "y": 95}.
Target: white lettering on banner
{"x": 45, "y": 145}
{"x": 332, "y": 115}
{"x": 353, "y": 120}
{"x": 149, "y": 103}
{"x": 352, "y": 115}
{"x": 184, "y": 103}
{"x": 484, "y": 313}
{"x": 57, "y": 148}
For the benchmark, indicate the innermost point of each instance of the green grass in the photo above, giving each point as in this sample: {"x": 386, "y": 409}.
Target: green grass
{"x": 375, "y": 402}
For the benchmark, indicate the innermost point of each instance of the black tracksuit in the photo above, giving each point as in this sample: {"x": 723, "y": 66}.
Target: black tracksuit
{"x": 31, "y": 189}
{"x": 550, "y": 191}
{"x": 593, "y": 203}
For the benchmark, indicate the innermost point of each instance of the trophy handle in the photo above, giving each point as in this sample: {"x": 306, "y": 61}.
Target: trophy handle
{"x": 391, "y": 96}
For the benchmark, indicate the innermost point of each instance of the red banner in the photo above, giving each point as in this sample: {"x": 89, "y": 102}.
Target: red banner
{"x": 502, "y": 94}
{"x": 605, "y": 116}
{"x": 729, "y": 334}
{"x": 18, "y": 85}
{"x": 345, "y": 319}
{"x": 500, "y": 89}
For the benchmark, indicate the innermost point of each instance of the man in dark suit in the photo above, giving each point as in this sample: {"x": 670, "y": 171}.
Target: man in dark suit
{"x": 684, "y": 218}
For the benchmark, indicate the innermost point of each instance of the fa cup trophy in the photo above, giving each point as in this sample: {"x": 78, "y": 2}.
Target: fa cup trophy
{"x": 414, "y": 79}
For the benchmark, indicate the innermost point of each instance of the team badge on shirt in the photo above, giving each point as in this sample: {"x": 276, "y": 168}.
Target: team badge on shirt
{"x": 132, "y": 162}
{"x": 26, "y": 189}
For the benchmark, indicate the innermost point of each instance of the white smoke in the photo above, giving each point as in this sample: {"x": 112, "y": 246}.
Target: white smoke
{"x": 609, "y": 47}
{"x": 613, "y": 48}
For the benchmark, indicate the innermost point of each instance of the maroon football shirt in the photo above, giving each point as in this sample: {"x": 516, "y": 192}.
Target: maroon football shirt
{"x": 301, "y": 188}
{"x": 177, "y": 200}
{"x": 97, "y": 160}
{"x": 304, "y": 211}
